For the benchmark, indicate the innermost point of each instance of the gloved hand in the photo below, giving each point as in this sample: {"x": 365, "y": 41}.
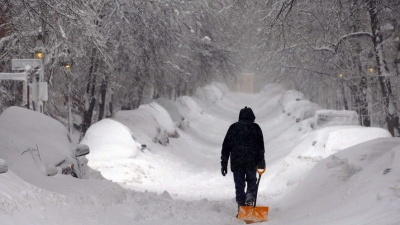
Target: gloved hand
{"x": 261, "y": 165}
{"x": 224, "y": 170}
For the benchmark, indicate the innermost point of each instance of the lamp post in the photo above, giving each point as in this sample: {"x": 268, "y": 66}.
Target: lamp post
{"x": 343, "y": 91}
{"x": 38, "y": 78}
{"x": 66, "y": 64}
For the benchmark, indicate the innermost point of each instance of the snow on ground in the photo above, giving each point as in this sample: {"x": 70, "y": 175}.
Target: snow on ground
{"x": 327, "y": 171}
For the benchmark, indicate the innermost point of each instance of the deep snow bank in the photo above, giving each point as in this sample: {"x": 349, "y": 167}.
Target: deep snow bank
{"x": 359, "y": 185}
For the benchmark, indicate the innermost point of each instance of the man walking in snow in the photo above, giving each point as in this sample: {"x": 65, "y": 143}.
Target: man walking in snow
{"x": 244, "y": 144}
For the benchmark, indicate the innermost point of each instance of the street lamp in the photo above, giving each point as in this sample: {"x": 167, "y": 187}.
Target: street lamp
{"x": 66, "y": 63}
{"x": 64, "y": 59}
{"x": 38, "y": 79}
{"x": 67, "y": 66}
{"x": 39, "y": 53}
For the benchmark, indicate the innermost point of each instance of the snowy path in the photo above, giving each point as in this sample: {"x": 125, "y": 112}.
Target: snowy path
{"x": 191, "y": 163}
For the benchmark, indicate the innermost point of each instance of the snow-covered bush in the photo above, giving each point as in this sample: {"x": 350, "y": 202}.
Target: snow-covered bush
{"x": 325, "y": 118}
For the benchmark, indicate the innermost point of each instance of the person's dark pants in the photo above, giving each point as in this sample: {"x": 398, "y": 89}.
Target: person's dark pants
{"x": 240, "y": 178}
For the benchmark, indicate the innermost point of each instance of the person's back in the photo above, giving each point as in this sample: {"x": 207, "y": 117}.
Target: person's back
{"x": 244, "y": 144}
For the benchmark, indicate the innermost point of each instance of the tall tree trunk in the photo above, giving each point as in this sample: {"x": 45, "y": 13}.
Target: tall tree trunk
{"x": 392, "y": 119}
{"x": 90, "y": 100}
{"x": 361, "y": 89}
{"x": 103, "y": 93}
{"x": 363, "y": 103}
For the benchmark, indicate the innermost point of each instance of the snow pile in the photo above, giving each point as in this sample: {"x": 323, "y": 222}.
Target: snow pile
{"x": 172, "y": 110}
{"x": 111, "y": 140}
{"x": 290, "y": 163}
{"x": 113, "y": 151}
{"x": 211, "y": 93}
{"x": 325, "y": 118}
{"x": 290, "y": 96}
{"x": 274, "y": 89}
{"x": 188, "y": 107}
{"x": 330, "y": 140}
{"x": 221, "y": 86}
{"x": 359, "y": 185}
{"x": 301, "y": 110}
{"x": 144, "y": 123}
{"x": 294, "y": 105}
{"x": 163, "y": 119}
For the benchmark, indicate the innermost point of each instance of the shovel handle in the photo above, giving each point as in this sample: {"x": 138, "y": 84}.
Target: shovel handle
{"x": 262, "y": 171}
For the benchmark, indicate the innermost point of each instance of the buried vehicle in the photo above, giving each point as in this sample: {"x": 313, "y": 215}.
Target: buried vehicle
{"x": 75, "y": 168}
{"x": 37, "y": 145}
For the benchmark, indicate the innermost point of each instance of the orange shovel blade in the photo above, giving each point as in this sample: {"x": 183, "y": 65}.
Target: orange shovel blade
{"x": 252, "y": 214}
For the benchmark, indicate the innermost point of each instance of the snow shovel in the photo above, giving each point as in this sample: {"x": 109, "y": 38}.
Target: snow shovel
{"x": 254, "y": 214}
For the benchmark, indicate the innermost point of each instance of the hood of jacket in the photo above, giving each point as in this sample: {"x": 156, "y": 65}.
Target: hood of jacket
{"x": 246, "y": 114}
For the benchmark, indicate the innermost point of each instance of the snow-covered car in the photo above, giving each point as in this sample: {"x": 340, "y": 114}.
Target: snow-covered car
{"x": 75, "y": 167}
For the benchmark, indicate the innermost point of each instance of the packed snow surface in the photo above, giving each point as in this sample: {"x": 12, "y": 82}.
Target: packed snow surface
{"x": 332, "y": 172}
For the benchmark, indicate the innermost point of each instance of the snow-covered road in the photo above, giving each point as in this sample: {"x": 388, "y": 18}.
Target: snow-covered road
{"x": 181, "y": 183}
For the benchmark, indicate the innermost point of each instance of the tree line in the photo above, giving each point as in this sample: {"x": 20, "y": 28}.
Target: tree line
{"x": 120, "y": 53}
{"x": 341, "y": 54}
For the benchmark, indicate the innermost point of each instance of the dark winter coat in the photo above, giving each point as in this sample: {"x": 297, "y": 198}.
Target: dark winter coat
{"x": 243, "y": 143}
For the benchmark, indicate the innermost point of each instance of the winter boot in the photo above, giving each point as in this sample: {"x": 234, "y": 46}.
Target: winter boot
{"x": 249, "y": 199}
